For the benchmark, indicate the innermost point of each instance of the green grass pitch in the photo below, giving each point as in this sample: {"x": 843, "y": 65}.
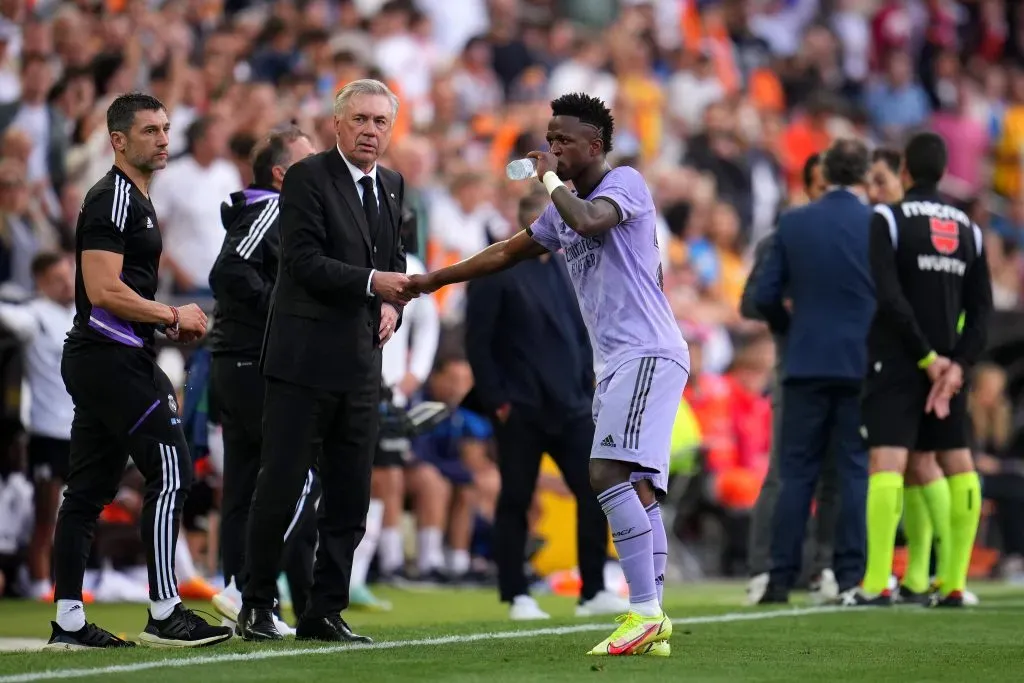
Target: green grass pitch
{"x": 465, "y": 636}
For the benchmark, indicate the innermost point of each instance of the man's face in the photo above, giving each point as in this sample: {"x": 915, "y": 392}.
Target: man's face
{"x": 364, "y": 129}
{"x": 818, "y": 183}
{"x": 900, "y": 69}
{"x": 883, "y": 185}
{"x": 37, "y": 79}
{"x": 57, "y": 283}
{"x": 215, "y": 139}
{"x": 145, "y": 145}
{"x": 575, "y": 144}
{"x": 298, "y": 150}
{"x": 451, "y": 384}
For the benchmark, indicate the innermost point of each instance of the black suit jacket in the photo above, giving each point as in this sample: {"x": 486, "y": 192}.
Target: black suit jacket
{"x": 527, "y": 344}
{"x": 322, "y": 329}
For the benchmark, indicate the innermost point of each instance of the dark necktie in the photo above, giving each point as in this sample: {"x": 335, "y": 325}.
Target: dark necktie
{"x": 370, "y": 205}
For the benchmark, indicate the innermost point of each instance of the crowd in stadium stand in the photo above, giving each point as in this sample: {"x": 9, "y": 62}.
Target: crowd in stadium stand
{"x": 717, "y": 102}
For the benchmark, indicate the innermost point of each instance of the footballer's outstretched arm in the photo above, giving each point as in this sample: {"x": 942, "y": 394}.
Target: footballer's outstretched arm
{"x": 493, "y": 259}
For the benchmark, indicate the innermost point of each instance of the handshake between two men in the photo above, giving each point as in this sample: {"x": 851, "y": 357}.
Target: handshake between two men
{"x": 396, "y": 290}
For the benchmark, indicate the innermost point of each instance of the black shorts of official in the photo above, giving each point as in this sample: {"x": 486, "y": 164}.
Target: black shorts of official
{"x": 391, "y": 453}
{"x": 48, "y": 458}
{"x": 892, "y": 411}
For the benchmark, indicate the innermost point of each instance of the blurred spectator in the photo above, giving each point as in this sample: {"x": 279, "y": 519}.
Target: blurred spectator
{"x": 24, "y": 231}
{"x": 452, "y": 477}
{"x": 584, "y": 71}
{"x": 898, "y": 103}
{"x": 1003, "y": 472}
{"x": 692, "y": 89}
{"x": 1006, "y": 178}
{"x": 966, "y": 140}
{"x": 16, "y": 521}
{"x": 41, "y": 326}
{"x": 187, "y": 196}
{"x": 42, "y": 122}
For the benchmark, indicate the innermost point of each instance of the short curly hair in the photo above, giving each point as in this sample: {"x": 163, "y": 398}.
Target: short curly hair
{"x": 588, "y": 110}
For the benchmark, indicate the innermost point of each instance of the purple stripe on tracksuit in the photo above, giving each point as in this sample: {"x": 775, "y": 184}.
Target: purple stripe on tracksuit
{"x": 109, "y": 325}
{"x": 253, "y": 195}
{"x": 144, "y": 416}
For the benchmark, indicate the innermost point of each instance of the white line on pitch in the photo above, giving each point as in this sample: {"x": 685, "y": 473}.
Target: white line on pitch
{"x": 391, "y": 644}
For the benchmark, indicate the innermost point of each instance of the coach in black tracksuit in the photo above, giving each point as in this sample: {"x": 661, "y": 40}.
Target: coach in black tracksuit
{"x": 242, "y": 280}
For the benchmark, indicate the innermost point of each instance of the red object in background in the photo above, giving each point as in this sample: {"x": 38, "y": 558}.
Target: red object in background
{"x": 709, "y": 398}
{"x": 994, "y": 32}
{"x": 752, "y": 425}
{"x": 941, "y": 25}
{"x": 736, "y": 425}
{"x": 891, "y": 29}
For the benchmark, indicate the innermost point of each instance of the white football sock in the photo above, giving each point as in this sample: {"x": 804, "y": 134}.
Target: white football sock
{"x": 430, "y": 549}
{"x": 392, "y": 554}
{"x": 459, "y": 562}
{"x": 161, "y": 609}
{"x": 71, "y": 615}
{"x": 367, "y": 547}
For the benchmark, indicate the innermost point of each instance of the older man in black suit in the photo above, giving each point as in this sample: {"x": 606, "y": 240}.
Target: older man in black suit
{"x": 339, "y": 295}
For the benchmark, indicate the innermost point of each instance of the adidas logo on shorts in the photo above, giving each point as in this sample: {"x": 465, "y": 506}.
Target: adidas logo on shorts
{"x": 608, "y": 442}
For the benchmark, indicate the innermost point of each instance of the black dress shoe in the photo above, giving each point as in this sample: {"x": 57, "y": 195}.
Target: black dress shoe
{"x": 331, "y": 629}
{"x": 774, "y": 595}
{"x": 257, "y": 623}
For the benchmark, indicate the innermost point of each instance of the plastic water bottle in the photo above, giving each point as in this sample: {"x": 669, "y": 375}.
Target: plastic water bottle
{"x": 520, "y": 169}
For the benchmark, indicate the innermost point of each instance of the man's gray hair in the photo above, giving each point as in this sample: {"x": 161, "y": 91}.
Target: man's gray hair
{"x": 365, "y": 86}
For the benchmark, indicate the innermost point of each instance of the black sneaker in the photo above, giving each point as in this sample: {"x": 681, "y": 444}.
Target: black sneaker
{"x": 184, "y": 628}
{"x": 905, "y": 596}
{"x": 88, "y": 637}
{"x": 774, "y": 595}
{"x": 856, "y": 597}
{"x": 954, "y": 599}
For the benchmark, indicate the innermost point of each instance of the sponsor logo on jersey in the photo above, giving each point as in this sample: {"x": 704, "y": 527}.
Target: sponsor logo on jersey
{"x": 941, "y": 264}
{"x": 945, "y": 235}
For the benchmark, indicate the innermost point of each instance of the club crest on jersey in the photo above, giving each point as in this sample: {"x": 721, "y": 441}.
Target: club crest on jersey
{"x": 171, "y": 403}
{"x": 149, "y": 222}
{"x": 945, "y": 236}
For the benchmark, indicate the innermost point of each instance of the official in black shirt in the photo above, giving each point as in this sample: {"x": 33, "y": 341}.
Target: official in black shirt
{"x": 242, "y": 280}
{"x": 124, "y": 403}
{"x": 928, "y": 264}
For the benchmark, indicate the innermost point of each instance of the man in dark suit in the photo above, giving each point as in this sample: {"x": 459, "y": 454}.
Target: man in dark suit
{"x": 510, "y": 317}
{"x": 823, "y": 586}
{"x": 819, "y": 259}
{"x": 340, "y": 289}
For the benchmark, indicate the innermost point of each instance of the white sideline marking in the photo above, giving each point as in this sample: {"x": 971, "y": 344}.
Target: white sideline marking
{"x": 392, "y": 644}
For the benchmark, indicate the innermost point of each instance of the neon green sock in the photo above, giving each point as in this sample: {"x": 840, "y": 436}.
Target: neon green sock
{"x": 917, "y": 526}
{"x": 964, "y": 513}
{"x": 885, "y": 507}
{"x": 936, "y": 495}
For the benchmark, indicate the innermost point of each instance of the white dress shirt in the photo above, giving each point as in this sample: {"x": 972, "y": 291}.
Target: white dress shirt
{"x": 357, "y": 175}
